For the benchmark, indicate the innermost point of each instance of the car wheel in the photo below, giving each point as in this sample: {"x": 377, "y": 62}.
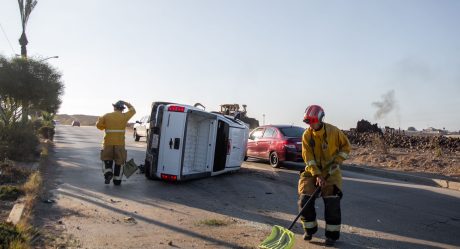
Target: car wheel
{"x": 274, "y": 159}
{"x": 136, "y": 137}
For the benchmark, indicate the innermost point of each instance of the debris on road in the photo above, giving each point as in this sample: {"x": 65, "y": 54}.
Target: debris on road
{"x": 49, "y": 201}
{"x": 130, "y": 220}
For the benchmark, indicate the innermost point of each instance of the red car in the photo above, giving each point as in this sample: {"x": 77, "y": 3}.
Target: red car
{"x": 276, "y": 143}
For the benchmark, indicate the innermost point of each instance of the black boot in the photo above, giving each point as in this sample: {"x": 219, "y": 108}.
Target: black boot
{"x": 306, "y": 236}
{"x": 118, "y": 173}
{"x": 108, "y": 177}
{"x": 330, "y": 242}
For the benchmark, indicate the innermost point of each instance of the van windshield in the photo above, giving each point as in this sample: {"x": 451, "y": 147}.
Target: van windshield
{"x": 292, "y": 131}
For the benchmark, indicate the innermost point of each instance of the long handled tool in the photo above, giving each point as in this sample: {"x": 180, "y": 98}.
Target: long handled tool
{"x": 282, "y": 238}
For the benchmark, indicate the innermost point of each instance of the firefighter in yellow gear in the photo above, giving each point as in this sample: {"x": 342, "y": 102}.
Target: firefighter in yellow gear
{"x": 113, "y": 150}
{"x": 324, "y": 148}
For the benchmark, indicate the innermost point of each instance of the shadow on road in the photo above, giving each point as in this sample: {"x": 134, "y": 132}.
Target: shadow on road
{"x": 255, "y": 195}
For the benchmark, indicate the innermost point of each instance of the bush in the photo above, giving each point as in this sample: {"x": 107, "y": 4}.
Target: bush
{"x": 10, "y": 193}
{"x": 8, "y": 234}
{"x": 37, "y": 124}
{"x": 12, "y": 174}
{"x": 46, "y": 132}
{"x": 18, "y": 143}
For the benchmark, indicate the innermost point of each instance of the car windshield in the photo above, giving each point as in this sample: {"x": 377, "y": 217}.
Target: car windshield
{"x": 292, "y": 131}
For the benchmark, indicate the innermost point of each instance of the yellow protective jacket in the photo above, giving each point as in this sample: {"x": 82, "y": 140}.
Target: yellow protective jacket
{"x": 114, "y": 124}
{"x": 322, "y": 149}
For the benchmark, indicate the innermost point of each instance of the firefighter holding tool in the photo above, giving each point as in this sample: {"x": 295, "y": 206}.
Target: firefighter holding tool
{"x": 324, "y": 148}
{"x": 113, "y": 151}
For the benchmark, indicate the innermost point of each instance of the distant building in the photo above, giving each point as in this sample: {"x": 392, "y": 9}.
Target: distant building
{"x": 434, "y": 131}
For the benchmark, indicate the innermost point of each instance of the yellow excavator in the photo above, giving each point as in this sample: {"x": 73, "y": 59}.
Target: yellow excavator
{"x": 234, "y": 110}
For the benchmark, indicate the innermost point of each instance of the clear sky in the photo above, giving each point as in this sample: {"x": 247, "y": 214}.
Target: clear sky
{"x": 275, "y": 56}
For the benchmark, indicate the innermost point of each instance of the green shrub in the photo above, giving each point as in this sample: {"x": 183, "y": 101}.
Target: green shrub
{"x": 10, "y": 193}
{"x": 18, "y": 143}
{"x": 37, "y": 124}
{"x": 8, "y": 234}
{"x": 46, "y": 132}
{"x": 12, "y": 174}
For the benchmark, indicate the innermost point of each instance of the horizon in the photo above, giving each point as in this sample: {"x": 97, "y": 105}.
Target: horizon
{"x": 132, "y": 121}
{"x": 389, "y": 62}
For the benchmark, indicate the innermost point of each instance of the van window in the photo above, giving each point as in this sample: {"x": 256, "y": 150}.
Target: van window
{"x": 256, "y": 134}
{"x": 269, "y": 133}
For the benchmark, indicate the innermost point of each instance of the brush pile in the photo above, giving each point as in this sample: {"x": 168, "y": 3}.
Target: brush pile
{"x": 366, "y": 134}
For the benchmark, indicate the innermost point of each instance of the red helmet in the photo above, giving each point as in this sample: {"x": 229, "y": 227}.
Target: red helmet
{"x": 313, "y": 114}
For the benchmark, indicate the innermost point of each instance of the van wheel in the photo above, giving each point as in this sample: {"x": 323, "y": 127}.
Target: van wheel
{"x": 274, "y": 159}
{"x": 147, "y": 170}
{"x": 136, "y": 137}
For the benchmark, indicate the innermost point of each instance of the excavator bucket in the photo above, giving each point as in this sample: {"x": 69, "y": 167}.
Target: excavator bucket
{"x": 280, "y": 238}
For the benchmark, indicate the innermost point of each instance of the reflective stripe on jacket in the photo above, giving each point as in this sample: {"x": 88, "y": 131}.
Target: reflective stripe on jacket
{"x": 114, "y": 124}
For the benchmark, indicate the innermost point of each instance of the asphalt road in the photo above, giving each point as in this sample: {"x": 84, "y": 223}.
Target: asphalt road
{"x": 230, "y": 211}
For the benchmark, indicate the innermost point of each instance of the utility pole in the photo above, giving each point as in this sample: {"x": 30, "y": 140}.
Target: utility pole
{"x": 263, "y": 120}
{"x": 25, "y": 9}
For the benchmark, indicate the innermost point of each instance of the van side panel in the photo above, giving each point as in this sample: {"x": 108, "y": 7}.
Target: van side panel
{"x": 172, "y": 138}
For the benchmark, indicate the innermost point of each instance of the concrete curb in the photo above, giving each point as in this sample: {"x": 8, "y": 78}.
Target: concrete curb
{"x": 16, "y": 213}
{"x": 434, "y": 182}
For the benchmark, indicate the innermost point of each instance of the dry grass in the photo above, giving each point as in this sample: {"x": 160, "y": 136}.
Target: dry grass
{"x": 424, "y": 161}
{"x": 213, "y": 222}
{"x": 27, "y": 233}
{"x": 10, "y": 174}
{"x": 31, "y": 188}
{"x": 380, "y": 144}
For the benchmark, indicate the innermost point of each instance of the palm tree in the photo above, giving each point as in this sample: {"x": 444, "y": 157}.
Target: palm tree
{"x": 25, "y": 9}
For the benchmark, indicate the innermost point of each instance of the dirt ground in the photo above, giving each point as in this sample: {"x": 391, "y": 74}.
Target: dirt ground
{"x": 420, "y": 161}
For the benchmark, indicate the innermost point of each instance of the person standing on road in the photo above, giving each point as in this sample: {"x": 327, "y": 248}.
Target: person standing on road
{"x": 114, "y": 124}
{"x": 324, "y": 148}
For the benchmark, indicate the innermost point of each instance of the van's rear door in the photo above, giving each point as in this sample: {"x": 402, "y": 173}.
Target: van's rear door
{"x": 238, "y": 145}
{"x": 172, "y": 139}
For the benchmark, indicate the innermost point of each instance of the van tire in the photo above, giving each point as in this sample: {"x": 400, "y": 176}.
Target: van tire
{"x": 136, "y": 137}
{"x": 147, "y": 170}
{"x": 274, "y": 159}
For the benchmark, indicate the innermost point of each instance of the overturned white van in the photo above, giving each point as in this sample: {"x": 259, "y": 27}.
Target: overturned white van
{"x": 186, "y": 142}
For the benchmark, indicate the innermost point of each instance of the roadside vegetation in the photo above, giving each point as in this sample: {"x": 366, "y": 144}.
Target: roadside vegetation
{"x": 213, "y": 222}
{"x": 30, "y": 92}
